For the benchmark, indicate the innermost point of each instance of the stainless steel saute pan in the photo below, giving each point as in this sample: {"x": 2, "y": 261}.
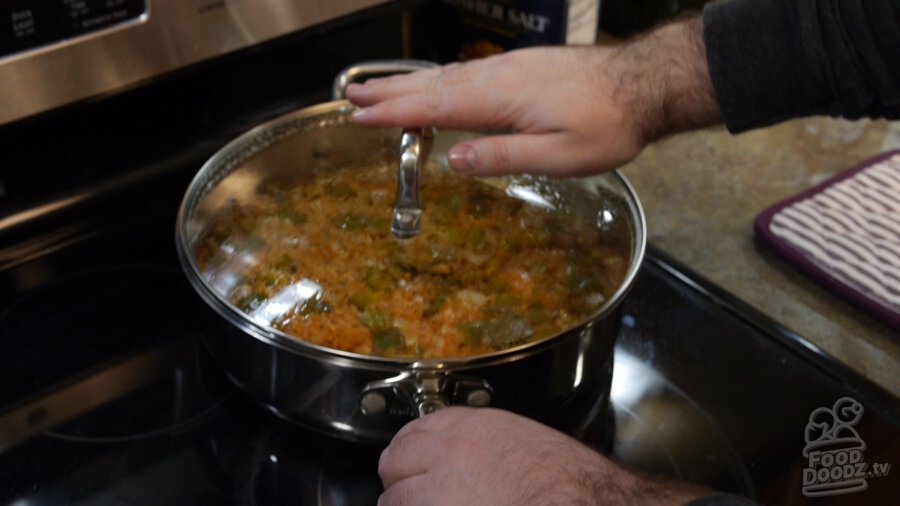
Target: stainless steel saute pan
{"x": 561, "y": 380}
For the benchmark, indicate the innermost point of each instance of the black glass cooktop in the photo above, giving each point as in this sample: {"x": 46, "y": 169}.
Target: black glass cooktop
{"x": 109, "y": 398}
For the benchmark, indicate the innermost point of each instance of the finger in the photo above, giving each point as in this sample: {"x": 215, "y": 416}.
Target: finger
{"x": 422, "y": 81}
{"x": 554, "y": 154}
{"x": 379, "y": 89}
{"x": 438, "y": 421}
{"x": 459, "y": 106}
{"x": 408, "y": 455}
{"x": 449, "y": 107}
{"x": 382, "y": 88}
{"x": 412, "y": 491}
{"x": 416, "y": 446}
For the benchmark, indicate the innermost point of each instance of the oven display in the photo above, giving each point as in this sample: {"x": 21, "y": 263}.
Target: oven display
{"x": 28, "y": 24}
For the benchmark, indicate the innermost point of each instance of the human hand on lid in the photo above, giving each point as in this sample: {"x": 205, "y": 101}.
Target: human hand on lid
{"x": 574, "y": 110}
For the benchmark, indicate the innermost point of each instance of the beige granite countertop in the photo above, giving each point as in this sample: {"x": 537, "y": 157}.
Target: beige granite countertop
{"x": 701, "y": 192}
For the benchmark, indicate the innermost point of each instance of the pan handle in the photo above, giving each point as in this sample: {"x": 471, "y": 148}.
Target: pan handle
{"x": 418, "y": 392}
{"x": 358, "y": 72}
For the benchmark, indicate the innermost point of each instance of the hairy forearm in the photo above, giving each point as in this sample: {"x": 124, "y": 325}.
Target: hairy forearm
{"x": 633, "y": 487}
{"x": 664, "y": 80}
{"x": 654, "y": 491}
{"x": 579, "y": 475}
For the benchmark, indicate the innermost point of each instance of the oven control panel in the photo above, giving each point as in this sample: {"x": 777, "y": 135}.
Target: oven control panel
{"x": 29, "y": 24}
{"x": 56, "y": 52}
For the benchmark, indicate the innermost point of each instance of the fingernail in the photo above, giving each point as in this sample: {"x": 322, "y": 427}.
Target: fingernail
{"x": 462, "y": 158}
{"x": 360, "y": 114}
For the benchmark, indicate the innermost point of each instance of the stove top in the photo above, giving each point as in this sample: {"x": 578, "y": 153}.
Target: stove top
{"x": 108, "y": 396}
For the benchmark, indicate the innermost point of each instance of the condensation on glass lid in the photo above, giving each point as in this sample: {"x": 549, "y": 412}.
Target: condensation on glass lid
{"x": 496, "y": 265}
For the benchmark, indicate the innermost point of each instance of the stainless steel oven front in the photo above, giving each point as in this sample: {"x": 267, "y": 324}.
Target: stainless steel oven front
{"x": 54, "y": 52}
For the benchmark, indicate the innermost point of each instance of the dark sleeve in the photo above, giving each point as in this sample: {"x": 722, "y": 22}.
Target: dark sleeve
{"x": 772, "y": 60}
{"x": 721, "y": 500}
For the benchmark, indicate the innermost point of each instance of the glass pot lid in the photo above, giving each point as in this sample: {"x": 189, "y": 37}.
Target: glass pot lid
{"x": 288, "y": 230}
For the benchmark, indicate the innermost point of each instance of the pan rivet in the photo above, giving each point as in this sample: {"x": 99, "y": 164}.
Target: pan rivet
{"x": 478, "y": 398}
{"x": 373, "y": 403}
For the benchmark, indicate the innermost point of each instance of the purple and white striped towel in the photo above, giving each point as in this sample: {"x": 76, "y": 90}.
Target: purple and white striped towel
{"x": 845, "y": 234}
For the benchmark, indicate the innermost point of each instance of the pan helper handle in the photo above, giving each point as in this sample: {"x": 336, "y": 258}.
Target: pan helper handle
{"x": 419, "y": 391}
